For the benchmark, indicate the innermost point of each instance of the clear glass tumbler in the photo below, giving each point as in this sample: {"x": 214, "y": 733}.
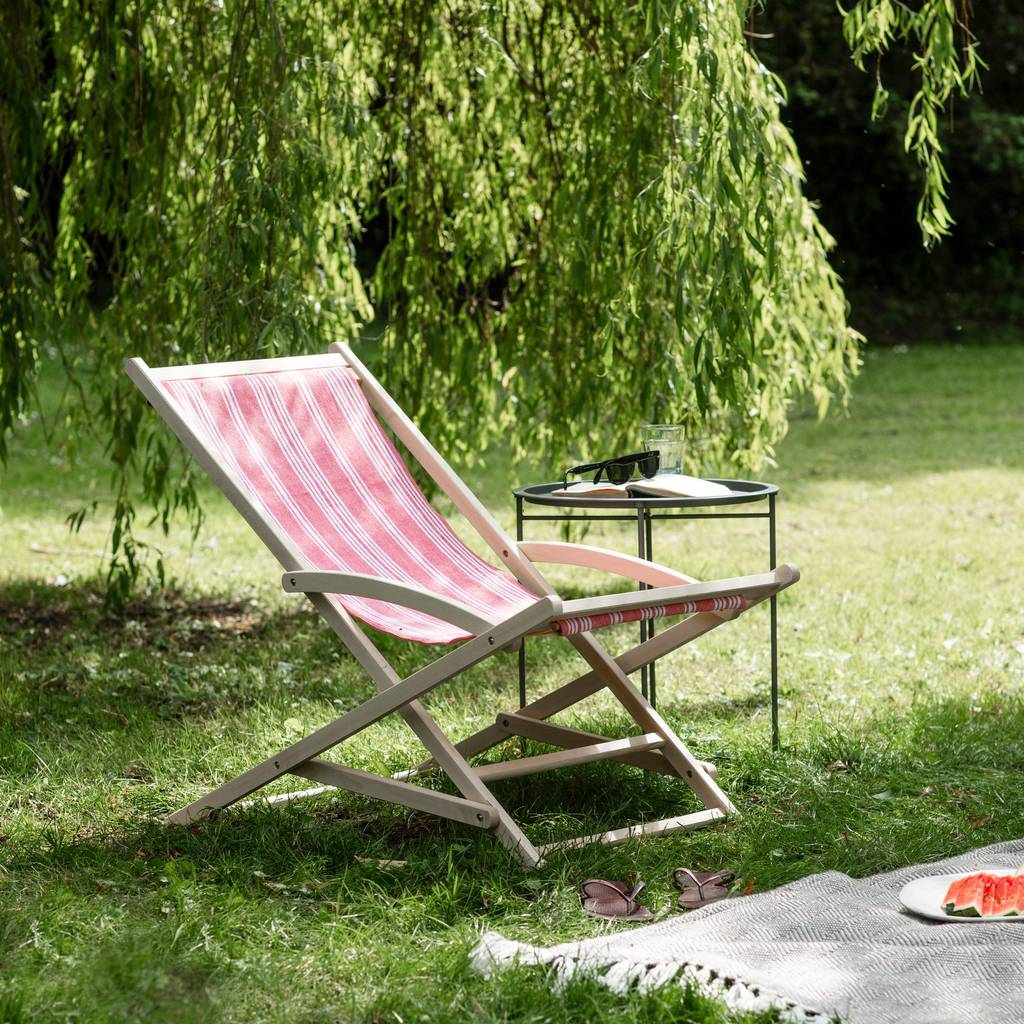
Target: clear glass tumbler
{"x": 668, "y": 439}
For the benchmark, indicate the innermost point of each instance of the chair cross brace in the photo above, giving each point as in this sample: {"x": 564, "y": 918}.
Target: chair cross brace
{"x": 568, "y": 738}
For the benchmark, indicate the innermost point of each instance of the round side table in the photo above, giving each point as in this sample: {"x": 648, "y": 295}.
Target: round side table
{"x": 643, "y": 512}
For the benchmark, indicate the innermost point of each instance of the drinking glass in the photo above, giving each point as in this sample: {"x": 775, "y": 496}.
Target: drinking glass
{"x": 667, "y": 439}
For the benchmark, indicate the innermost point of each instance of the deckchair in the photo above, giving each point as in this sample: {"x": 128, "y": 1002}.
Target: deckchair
{"x": 298, "y": 447}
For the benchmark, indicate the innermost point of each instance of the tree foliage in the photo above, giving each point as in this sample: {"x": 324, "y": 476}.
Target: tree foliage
{"x": 591, "y": 214}
{"x": 898, "y": 289}
{"x": 947, "y": 64}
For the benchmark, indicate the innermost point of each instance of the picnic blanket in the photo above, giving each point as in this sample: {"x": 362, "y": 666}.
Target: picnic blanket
{"x": 824, "y": 946}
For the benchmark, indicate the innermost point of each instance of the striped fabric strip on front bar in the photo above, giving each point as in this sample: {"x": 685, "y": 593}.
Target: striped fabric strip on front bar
{"x": 585, "y": 623}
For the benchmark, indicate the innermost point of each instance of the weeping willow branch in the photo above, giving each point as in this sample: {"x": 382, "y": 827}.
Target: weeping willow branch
{"x": 947, "y": 64}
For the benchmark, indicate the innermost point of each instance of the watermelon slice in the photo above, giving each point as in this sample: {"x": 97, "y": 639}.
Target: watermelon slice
{"x": 1018, "y": 893}
{"x": 985, "y": 895}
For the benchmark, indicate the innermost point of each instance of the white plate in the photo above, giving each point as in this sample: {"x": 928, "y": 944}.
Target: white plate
{"x": 924, "y": 896}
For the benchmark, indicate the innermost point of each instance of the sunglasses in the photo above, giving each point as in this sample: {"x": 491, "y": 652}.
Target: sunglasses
{"x": 619, "y": 469}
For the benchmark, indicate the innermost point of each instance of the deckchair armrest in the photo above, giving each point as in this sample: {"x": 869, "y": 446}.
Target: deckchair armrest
{"x": 312, "y": 581}
{"x": 589, "y": 557}
{"x": 753, "y": 588}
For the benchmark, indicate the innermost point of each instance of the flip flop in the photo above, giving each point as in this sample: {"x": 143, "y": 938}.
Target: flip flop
{"x": 613, "y": 900}
{"x": 702, "y": 887}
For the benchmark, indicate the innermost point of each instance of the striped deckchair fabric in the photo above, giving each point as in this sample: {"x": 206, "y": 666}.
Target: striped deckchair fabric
{"x": 299, "y": 447}
{"x": 309, "y": 449}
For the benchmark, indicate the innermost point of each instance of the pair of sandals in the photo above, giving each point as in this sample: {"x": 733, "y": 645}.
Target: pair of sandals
{"x": 620, "y": 900}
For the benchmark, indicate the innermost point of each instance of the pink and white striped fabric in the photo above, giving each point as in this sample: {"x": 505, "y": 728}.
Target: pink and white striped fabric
{"x": 585, "y": 623}
{"x": 309, "y": 451}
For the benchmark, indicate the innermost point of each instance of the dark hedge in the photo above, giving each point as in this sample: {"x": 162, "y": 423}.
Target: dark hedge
{"x": 867, "y": 186}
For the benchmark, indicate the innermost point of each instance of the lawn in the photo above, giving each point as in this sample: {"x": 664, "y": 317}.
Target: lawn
{"x": 902, "y": 672}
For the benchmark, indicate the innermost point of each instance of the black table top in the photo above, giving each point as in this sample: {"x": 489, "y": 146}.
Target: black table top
{"x": 743, "y": 491}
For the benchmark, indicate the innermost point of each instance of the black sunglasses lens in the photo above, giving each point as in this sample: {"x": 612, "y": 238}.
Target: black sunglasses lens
{"x": 618, "y": 472}
{"x": 648, "y": 465}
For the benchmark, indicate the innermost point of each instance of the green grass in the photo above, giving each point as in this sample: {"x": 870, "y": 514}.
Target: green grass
{"x": 902, "y": 664}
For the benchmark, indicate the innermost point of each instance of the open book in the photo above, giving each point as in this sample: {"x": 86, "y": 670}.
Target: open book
{"x": 665, "y": 485}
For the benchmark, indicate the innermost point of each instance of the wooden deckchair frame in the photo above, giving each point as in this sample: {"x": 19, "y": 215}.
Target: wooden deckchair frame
{"x": 657, "y": 749}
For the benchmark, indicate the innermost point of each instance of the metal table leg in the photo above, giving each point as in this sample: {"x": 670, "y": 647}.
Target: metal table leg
{"x": 774, "y": 627}
{"x": 641, "y": 535}
{"x": 651, "y": 680}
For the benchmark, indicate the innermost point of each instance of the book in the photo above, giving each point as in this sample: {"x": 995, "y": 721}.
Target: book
{"x": 665, "y": 485}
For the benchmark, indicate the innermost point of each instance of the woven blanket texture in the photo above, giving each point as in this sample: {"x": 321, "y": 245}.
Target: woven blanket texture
{"x": 823, "y": 947}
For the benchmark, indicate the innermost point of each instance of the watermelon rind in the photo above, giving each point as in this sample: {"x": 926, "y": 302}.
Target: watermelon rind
{"x": 966, "y": 912}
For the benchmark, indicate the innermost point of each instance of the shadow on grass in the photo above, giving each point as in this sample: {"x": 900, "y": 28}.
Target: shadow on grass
{"x": 177, "y": 655}
{"x": 38, "y": 616}
{"x": 932, "y": 781}
{"x": 910, "y": 784}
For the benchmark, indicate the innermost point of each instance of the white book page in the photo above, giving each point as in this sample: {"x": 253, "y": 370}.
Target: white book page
{"x": 679, "y": 485}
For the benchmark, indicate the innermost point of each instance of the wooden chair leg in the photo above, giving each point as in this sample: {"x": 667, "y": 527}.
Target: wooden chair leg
{"x": 514, "y": 724}
{"x": 298, "y": 758}
{"x": 444, "y": 751}
{"x": 690, "y": 769}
